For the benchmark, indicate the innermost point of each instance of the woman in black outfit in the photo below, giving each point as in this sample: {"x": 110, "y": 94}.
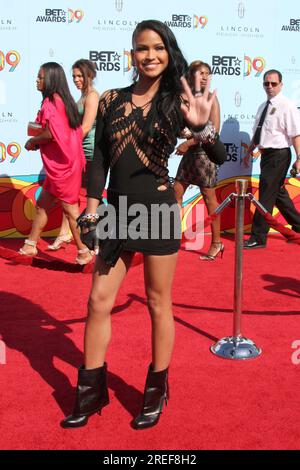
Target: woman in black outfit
{"x": 137, "y": 129}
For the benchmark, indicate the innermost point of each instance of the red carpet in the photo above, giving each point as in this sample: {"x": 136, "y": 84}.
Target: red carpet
{"x": 214, "y": 403}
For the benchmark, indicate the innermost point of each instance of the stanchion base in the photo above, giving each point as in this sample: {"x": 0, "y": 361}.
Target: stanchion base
{"x": 235, "y": 348}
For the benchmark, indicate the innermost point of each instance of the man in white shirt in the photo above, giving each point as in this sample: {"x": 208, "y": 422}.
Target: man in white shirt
{"x": 277, "y": 127}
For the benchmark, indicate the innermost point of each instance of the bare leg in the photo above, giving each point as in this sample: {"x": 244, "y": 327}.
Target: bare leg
{"x": 44, "y": 203}
{"x": 179, "y": 189}
{"x": 65, "y": 227}
{"x": 72, "y": 212}
{"x": 210, "y": 199}
{"x": 64, "y": 235}
{"x": 158, "y": 274}
{"x": 106, "y": 283}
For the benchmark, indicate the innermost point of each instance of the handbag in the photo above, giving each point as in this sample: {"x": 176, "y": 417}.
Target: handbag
{"x": 34, "y": 129}
{"x": 110, "y": 250}
{"x": 215, "y": 151}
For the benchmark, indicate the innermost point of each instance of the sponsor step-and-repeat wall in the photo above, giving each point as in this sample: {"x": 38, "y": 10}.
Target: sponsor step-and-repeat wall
{"x": 240, "y": 39}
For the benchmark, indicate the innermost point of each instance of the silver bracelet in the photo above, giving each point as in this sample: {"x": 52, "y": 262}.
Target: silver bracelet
{"x": 207, "y": 136}
{"x": 92, "y": 217}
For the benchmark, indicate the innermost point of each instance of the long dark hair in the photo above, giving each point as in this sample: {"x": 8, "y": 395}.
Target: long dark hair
{"x": 55, "y": 81}
{"x": 168, "y": 98}
{"x": 88, "y": 70}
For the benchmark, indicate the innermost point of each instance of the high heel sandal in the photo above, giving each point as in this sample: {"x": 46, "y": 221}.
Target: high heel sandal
{"x": 32, "y": 244}
{"x": 220, "y": 251}
{"x": 83, "y": 261}
{"x": 59, "y": 241}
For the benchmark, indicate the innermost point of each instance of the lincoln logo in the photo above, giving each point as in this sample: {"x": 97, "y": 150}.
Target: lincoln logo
{"x": 241, "y": 10}
{"x": 237, "y": 99}
{"x": 119, "y": 5}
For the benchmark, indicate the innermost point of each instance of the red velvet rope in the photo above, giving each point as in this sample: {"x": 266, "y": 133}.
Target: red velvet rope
{"x": 289, "y": 234}
{"x": 206, "y": 222}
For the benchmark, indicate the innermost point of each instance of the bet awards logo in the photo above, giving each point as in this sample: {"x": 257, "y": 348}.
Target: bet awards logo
{"x": 111, "y": 61}
{"x": 235, "y": 152}
{"x": 127, "y": 61}
{"x": 179, "y": 21}
{"x": 232, "y": 65}
{"x": 257, "y": 65}
{"x": 200, "y": 21}
{"x": 106, "y": 61}
{"x": 293, "y": 26}
{"x": 57, "y": 15}
{"x": 9, "y": 60}
{"x": 226, "y": 65}
{"x": 231, "y": 151}
{"x": 187, "y": 21}
{"x": 12, "y": 150}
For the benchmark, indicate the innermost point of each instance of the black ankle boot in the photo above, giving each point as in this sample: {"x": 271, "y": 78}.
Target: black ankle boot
{"x": 156, "y": 392}
{"x": 91, "y": 396}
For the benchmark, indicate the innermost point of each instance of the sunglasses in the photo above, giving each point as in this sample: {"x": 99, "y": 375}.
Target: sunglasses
{"x": 273, "y": 84}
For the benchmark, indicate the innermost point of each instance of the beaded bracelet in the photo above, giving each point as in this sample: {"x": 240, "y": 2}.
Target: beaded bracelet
{"x": 90, "y": 217}
{"x": 88, "y": 220}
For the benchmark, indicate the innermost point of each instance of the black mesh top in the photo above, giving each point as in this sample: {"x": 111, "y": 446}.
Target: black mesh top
{"x": 137, "y": 161}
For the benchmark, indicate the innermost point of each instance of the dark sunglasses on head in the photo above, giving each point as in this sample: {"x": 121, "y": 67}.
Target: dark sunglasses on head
{"x": 273, "y": 84}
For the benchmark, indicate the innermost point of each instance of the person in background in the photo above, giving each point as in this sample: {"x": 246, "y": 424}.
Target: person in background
{"x": 196, "y": 168}
{"x": 60, "y": 143}
{"x": 137, "y": 130}
{"x": 83, "y": 72}
{"x": 276, "y": 128}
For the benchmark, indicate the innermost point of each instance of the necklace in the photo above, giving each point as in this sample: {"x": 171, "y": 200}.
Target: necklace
{"x": 144, "y": 106}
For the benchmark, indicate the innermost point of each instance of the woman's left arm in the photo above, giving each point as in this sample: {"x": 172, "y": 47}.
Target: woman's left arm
{"x": 90, "y": 112}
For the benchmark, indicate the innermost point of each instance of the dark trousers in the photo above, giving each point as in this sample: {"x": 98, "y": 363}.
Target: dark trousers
{"x": 274, "y": 167}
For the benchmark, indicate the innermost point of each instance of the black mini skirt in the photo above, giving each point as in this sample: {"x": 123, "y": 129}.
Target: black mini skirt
{"x": 148, "y": 223}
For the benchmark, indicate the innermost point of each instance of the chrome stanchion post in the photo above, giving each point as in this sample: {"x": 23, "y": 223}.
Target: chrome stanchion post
{"x": 236, "y": 346}
{"x": 241, "y": 186}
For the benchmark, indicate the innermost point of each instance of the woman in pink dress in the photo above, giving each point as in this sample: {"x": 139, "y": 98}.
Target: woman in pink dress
{"x": 60, "y": 143}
